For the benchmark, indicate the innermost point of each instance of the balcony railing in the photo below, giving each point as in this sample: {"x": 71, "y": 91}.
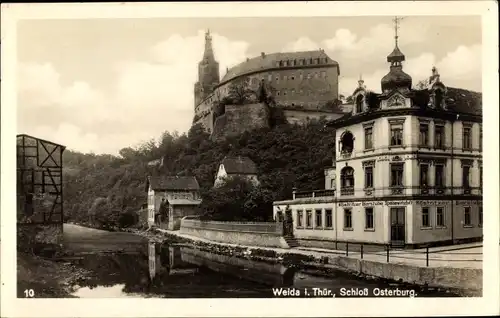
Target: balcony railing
{"x": 347, "y": 191}
{"x": 389, "y": 191}
{"x": 314, "y": 194}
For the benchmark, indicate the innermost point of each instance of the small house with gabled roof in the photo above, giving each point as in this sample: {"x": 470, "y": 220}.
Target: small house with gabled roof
{"x": 170, "y": 198}
{"x": 236, "y": 167}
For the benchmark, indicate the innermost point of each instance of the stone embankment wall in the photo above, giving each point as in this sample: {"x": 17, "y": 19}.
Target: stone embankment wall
{"x": 244, "y": 233}
{"x": 449, "y": 277}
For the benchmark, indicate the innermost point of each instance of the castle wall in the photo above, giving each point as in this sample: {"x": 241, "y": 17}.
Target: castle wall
{"x": 240, "y": 118}
{"x": 305, "y": 87}
{"x": 302, "y": 116}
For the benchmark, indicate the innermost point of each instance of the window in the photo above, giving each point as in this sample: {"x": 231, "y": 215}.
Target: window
{"x": 424, "y": 134}
{"x": 439, "y": 137}
{"x": 438, "y": 98}
{"x": 308, "y": 76}
{"x": 425, "y": 217}
{"x": 424, "y": 175}
{"x": 466, "y": 138}
{"x": 319, "y": 218}
{"x": 368, "y": 218}
{"x": 396, "y": 175}
{"x": 347, "y": 181}
{"x": 480, "y": 215}
{"x": 396, "y": 135}
{"x": 328, "y": 218}
{"x": 300, "y": 216}
{"x": 284, "y": 92}
{"x": 347, "y": 219}
{"x": 301, "y": 76}
{"x": 439, "y": 175}
{"x": 440, "y": 217}
{"x": 347, "y": 140}
{"x": 481, "y": 177}
{"x": 270, "y": 77}
{"x": 359, "y": 103}
{"x": 465, "y": 176}
{"x": 292, "y": 77}
{"x": 285, "y": 77}
{"x": 323, "y": 74}
{"x": 277, "y": 93}
{"x": 467, "y": 219}
{"x": 308, "y": 218}
{"x": 292, "y": 91}
{"x": 332, "y": 183}
{"x": 368, "y": 177}
{"x": 480, "y": 138}
{"x": 369, "y": 138}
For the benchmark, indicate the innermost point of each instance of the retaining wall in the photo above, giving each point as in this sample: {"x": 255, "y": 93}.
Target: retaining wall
{"x": 263, "y": 234}
{"x": 449, "y": 277}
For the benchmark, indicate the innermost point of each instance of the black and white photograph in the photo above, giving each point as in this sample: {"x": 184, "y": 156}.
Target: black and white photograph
{"x": 250, "y": 157}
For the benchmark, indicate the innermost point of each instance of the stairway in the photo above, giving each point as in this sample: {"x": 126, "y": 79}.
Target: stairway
{"x": 291, "y": 241}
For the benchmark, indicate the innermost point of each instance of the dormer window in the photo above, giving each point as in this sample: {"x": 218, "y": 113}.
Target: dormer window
{"x": 438, "y": 98}
{"x": 359, "y": 103}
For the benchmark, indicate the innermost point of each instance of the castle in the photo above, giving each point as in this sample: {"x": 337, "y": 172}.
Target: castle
{"x": 301, "y": 83}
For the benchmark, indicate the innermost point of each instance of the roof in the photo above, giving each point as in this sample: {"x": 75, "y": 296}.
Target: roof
{"x": 464, "y": 101}
{"x": 265, "y": 61}
{"x": 183, "y": 202}
{"x": 458, "y": 100}
{"x": 239, "y": 165}
{"x": 40, "y": 139}
{"x": 159, "y": 183}
{"x": 395, "y": 78}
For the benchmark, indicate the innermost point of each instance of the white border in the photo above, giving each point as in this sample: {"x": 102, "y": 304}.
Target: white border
{"x": 488, "y": 304}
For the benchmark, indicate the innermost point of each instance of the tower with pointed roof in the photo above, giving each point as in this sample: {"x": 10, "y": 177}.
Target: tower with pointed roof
{"x": 396, "y": 78}
{"x": 208, "y": 72}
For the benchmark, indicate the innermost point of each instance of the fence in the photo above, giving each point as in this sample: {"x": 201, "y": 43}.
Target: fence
{"x": 418, "y": 256}
{"x": 243, "y": 227}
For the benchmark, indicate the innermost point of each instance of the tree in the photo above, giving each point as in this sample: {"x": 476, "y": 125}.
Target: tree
{"x": 236, "y": 200}
{"x": 240, "y": 92}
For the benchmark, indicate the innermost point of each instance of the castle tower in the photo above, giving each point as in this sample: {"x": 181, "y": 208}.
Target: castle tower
{"x": 208, "y": 72}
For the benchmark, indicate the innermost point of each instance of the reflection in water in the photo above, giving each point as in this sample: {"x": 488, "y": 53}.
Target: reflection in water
{"x": 160, "y": 270}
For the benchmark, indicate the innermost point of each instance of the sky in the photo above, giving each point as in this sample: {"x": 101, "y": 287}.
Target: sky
{"x": 99, "y": 85}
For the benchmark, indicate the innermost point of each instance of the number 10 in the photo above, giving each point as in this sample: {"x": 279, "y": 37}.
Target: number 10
{"x": 29, "y": 293}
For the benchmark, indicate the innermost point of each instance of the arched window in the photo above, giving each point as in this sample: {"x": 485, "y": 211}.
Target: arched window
{"x": 347, "y": 142}
{"x": 438, "y": 98}
{"x": 359, "y": 103}
{"x": 347, "y": 181}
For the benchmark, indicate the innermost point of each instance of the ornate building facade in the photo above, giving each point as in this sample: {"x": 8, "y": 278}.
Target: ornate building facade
{"x": 301, "y": 82}
{"x": 408, "y": 166}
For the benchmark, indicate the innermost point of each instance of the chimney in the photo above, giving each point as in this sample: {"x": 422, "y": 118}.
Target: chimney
{"x": 248, "y": 59}
{"x": 262, "y": 54}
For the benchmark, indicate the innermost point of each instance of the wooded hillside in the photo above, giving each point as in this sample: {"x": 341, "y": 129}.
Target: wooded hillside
{"x": 287, "y": 156}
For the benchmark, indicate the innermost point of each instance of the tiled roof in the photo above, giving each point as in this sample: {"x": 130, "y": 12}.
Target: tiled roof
{"x": 172, "y": 183}
{"x": 239, "y": 165}
{"x": 269, "y": 61}
{"x": 464, "y": 101}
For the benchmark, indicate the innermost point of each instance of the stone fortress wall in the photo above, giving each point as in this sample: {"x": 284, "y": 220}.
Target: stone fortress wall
{"x": 302, "y": 82}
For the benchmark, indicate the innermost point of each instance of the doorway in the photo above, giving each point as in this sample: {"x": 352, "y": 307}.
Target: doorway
{"x": 398, "y": 231}
{"x": 288, "y": 223}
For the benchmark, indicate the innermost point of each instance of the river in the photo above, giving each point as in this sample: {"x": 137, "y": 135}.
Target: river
{"x": 174, "y": 271}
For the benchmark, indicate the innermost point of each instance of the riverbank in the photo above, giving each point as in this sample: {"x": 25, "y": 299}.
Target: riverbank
{"x": 334, "y": 264}
{"x": 46, "y": 277}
